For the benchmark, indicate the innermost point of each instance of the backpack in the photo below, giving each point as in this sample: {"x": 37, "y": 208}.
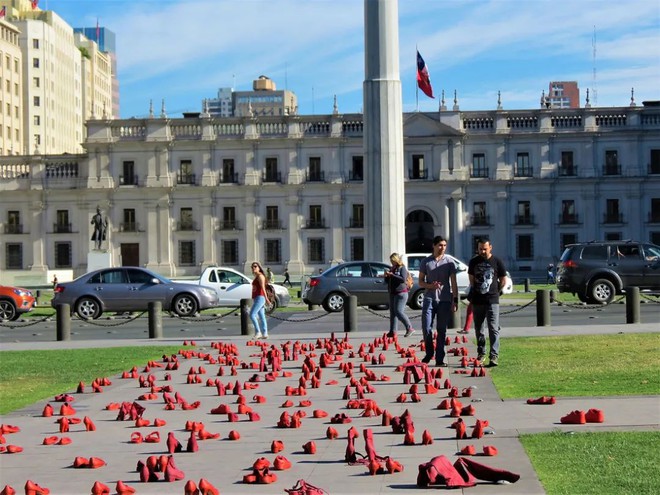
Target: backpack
{"x": 409, "y": 281}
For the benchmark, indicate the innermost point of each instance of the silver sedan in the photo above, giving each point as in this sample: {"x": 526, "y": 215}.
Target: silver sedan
{"x": 130, "y": 289}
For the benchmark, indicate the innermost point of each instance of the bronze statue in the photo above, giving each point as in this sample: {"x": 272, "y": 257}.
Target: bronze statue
{"x": 100, "y": 228}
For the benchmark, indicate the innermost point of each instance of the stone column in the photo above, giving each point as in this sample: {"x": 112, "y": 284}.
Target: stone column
{"x": 383, "y": 131}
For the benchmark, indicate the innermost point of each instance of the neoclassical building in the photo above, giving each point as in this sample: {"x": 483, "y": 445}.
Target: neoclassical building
{"x": 181, "y": 194}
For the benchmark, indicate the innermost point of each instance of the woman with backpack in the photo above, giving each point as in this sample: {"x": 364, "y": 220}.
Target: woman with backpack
{"x": 399, "y": 282}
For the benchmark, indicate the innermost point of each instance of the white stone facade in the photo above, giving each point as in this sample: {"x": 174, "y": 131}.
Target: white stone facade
{"x": 11, "y": 90}
{"x": 182, "y": 194}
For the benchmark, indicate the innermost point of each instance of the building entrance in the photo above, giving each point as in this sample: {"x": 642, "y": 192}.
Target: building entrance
{"x": 419, "y": 232}
{"x": 130, "y": 254}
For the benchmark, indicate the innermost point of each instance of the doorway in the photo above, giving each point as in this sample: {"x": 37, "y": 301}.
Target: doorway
{"x": 130, "y": 254}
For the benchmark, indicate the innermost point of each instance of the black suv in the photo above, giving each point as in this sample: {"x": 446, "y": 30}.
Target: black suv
{"x": 597, "y": 271}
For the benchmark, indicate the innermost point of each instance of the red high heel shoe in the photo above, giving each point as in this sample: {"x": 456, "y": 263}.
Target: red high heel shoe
{"x": 276, "y": 446}
{"x": 123, "y": 489}
{"x": 100, "y": 489}
{"x": 281, "y": 463}
{"x": 206, "y": 488}
{"x": 172, "y": 473}
{"x": 8, "y": 490}
{"x": 31, "y": 488}
{"x": 190, "y": 488}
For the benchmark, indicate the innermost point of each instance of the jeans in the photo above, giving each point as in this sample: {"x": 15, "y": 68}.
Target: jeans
{"x": 441, "y": 310}
{"x": 491, "y": 314}
{"x": 258, "y": 316}
{"x": 397, "y": 308}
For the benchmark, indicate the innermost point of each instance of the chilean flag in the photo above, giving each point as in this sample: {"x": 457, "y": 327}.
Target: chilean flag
{"x": 423, "y": 80}
{"x": 3, "y": 11}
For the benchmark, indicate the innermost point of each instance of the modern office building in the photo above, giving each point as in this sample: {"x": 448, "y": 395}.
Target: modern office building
{"x": 563, "y": 94}
{"x": 11, "y": 91}
{"x": 264, "y": 100}
{"x": 222, "y": 106}
{"x": 182, "y": 194}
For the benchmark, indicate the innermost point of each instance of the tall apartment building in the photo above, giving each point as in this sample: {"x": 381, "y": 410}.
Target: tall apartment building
{"x": 11, "y": 91}
{"x": 222, "y": 106}
{"x": 563, "y": 94}
{"x": 97, "y": 90}
{"x": 181, "y": 194}
{"x": 263, "y": 100}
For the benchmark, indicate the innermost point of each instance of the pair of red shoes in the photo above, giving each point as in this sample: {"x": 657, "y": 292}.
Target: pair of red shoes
{"x": 580, "y": 417}
{"x": 204, "y": 488}
{"x": 542, "y": 400}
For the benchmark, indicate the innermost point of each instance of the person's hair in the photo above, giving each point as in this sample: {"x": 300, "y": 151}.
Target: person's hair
{"x": 483, "y": 240}
{"x": 396, "y": 259}
{"x": 261, "y": 268}
{"x": 438, "y": 239}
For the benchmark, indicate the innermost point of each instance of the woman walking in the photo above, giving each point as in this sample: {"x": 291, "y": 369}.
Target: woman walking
{"x": 259, "y": 300}
{"x": 397, "y": 278}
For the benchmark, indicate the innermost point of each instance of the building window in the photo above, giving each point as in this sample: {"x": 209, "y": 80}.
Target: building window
{"x": 36, "y": 82}
{"x": 612, "y": 165}
{"x": 612, "y": 213}
{"x": 272, "y": 218}
{"x": 357, "y": 249}
{"x": 35, "y": 63}
{"x": 357, "y": 218}
{"x": 129, "y": 224}
{"x": 479, "y": 213}
{"x": 187, "y": 253}
{"x": 14, "y": 256}
{"x": 36, "y": 101}
{"x": 613, "y": 236}
{"x": 13, "y": 225}
{"x": 128, "y": 177}
{"x": 271, "y": 173}
{"x": 185, "y": 175}
{"x": 525, "y": 247}
{"x": 63, "y": 255}
{"x": 654, "y": 165}
{"x": 654, "y": 214}
{"x": 567, "y": 167}
{"x": 36, "y": 120}
{"x": 230, "y": 252}
{"x": 228, "y": 218}
{"x": 524, "y": 215}
{"x": 273, "y": 251}
{"x": 479, "y": 168}
{"x": 315, "y": 220}
{"x": 186, "y": 219}
{"x": 357, "y": 168}
{"x": 62, "y": 224}
{"x": 568, "y": 214}
{"x": 35, "y": 43}
{"x": 316, "y": 250}
{"x": 523, "y": 168}
{"x": 417, "y": 171}
{"x": 315, "y": 174}
{"x": 565, "y": 240}
{"x": 228, "y": 174}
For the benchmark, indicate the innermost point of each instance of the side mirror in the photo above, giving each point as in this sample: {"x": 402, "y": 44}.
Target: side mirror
{"x": 155, "y": 281}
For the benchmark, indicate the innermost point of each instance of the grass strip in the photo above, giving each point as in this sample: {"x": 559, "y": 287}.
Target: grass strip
{"x": 601, "y": 463}
{"x": 27, "y": 377}
{"x": 579, "y": 365}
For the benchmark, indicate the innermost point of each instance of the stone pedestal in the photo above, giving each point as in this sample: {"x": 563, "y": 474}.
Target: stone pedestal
{"x": 98, "y": 259}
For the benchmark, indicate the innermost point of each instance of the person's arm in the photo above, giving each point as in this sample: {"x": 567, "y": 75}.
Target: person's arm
{"x": 454, "y": 292}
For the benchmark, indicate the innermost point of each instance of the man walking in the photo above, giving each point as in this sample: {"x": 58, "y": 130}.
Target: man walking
{"x": 487, "y": 278}
{"x": 437, "y": 274}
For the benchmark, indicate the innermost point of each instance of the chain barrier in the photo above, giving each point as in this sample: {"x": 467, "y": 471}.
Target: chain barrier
{"x": 110, "y": 325}
{"x": 312, "y": 318}
{"x": 655, "y": 299}
{"x": 203, "y": 320}
{"x": 585, "y": 305}
{"x": 24, "y": 325}
{"x": 517, "y": 308}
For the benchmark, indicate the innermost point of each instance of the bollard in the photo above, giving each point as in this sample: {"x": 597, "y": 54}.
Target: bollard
{"x": 455, "y": 318}
{"x": 350, "y": 313}
{"x": 542, "y": 308}
{"x": 632, "y": 305}
{"x": 155, "y": 309}
{"x": 527, "y": 285}
{"x": 36, "y": 297}
{"x": 552, "y": 296}
{"x": 63, "y": 322}
{"x": 246, "y": 327}
{"x": 312, "y": 307}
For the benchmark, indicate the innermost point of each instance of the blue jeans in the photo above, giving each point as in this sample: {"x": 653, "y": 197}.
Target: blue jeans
{"x": 258, "y": 315}
{"x": 491, "y": 314}
{"x": 397, "y": 308}
{"x": 441, "y": 310}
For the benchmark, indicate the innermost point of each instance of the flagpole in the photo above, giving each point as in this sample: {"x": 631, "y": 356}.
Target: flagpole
{"x": 416, "y": 85}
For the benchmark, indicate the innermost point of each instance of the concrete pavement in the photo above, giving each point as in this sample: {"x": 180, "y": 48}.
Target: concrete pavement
{"x": 224, "y": 462}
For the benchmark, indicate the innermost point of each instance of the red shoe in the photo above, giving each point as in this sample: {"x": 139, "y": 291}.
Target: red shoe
{"x": 331, "y": 433}
{"x": 574, "y": 418}
{"x": 8, "y": 490}
{"x": 48, "y": 411}
{"x": 96, "y": 462}
{"x": 122, "y": 489}
{"x": 261, "y": 463}
{"x": 172, "y": 473}
{"x": 281, "y": 463}
{"x": 234, "y": 435}
{"x": 594, "y": 416}
{"x": 153, "y": 437}
{"x": 392, "y": 466}
{"x": 159, "y": 422}
{"x": 89, "y": 424}
{"x": 490, "y": 450}
{"x": 542, "y": 400}
{"x": 427, "y": 438}
{"x": 206, "y": 488}
{"x": 276, "y": 446}
{"x": 64, "y": 441}
{"x": 80, "y": 462}
{"x": 468, "y": 450}
{"x": 31, "y": 488}
{"x": 309, "y": 447}
{"x": 14, "y": 449}
{"x": 100, "y": 489}
{"x": 190, "y": 488}
{"x": 50, "y": 441}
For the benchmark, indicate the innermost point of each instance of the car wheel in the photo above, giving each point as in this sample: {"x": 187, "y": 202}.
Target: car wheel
{"x": 184, "y": 305}
{"x": 88, "y": 308}
{"x": 334, "y": 303}
{"x": 271, "y": 307}
{"x": 602, "y": 291}
{"x": 417, "y": 299}
{"x": 8, "y": 311}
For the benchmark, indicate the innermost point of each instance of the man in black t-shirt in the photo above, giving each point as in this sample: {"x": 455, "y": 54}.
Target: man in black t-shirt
{"x": 487, "y": 277}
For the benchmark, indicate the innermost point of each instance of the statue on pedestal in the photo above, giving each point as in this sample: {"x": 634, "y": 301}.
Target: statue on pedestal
{"x": 100, "y": 228}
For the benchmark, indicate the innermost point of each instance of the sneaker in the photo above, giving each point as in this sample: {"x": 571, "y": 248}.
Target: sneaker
{"x": 264, "y": 336}
{"x": 257, "y": 336}
{"x": 492, "y": 362}
{"x": 409, "y": 332}
{"x": 481, "y": 358}
{"x": 427, "y": 359}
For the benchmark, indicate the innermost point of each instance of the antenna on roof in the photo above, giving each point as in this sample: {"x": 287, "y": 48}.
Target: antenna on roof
{"x": 594, "y": 91}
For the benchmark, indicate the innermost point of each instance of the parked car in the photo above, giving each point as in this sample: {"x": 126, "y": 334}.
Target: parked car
{"x": 363, "y": 279}
{"x": 232, "y": 286}
{"x": 14, "y": 301}
{"x": 597, "y": 271}
{"x": 413, "y": 260}
{"x": 128, "y": 289}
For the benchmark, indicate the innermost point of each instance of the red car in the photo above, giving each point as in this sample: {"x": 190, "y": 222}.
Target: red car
{"x": 14, "y": 302}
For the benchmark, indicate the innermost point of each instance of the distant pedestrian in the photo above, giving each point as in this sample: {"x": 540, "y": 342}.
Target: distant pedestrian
{"x": 550, "y": 278}
{"x": 54, "y": 282}
{"x": 287, "y": 278}
{"x": 269, "y": 275}
{"x": 487, "y": 278}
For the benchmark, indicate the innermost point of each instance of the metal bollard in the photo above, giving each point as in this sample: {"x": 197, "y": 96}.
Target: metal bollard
{"x": 155, "y": 309}
{"x": 632, "y": 305}
{"x": 552, "y": 296}
{"x": 350, "y": 313}
{"x": 246, "y": 327}
{"x": 63, "y": 321}
{"x": 542, "y": 308}
{"x": 527, "y": 285}
{"x": 36, "y": 297}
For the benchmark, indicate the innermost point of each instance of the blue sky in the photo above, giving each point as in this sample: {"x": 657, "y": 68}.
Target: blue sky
{"x": 184, "y": 50}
